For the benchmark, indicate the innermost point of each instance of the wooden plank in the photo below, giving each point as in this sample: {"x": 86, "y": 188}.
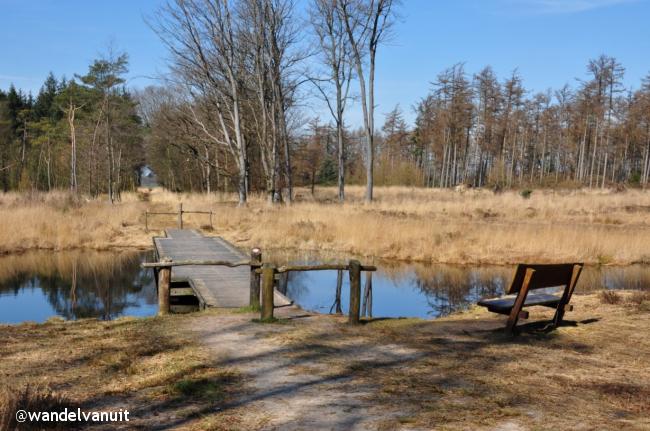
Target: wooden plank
{"x": 181, "y": 291}
{"x": 546, "y": 275}
{"x": 507, "y": 302}
{"x": 215, "y": 286}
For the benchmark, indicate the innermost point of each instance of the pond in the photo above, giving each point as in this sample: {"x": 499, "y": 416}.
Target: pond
{"x": 36, "y": 286}
{"x": 429, "y": 291}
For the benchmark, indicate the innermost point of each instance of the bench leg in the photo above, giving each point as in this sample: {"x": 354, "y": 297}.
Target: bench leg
{"x": 564, "y": 306}
{"x": 519, "y": 301}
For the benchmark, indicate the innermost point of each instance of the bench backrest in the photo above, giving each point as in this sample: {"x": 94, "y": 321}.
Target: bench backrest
{"x": 552, "y": 275}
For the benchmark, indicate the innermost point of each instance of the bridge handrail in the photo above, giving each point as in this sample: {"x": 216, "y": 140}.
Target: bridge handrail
{"x": 180, "y": 213}
{"x": 265, "y": 274}
{"x": 170, "y": 263}
{"x": 279, "y": 269}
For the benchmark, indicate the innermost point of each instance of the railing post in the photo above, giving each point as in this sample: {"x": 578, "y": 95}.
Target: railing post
{"x": 256, "y": 257}
{"x": 164, "y": 280}
{"x": 339, "y": 285}
{"x": 366, "y": 308}
{"x": 268, "y": 279}
{"x": 355, "y": 291}
{"x": 180, "y": 216}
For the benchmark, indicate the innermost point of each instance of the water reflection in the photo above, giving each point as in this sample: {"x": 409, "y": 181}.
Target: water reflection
{"x": 38, "y": 285}
{"x": 418, "y": 290}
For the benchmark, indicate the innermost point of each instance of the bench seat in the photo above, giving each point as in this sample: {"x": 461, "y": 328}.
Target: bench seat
{"x": 505, "y": 303}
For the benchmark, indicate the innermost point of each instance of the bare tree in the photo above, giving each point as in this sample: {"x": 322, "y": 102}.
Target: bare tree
{"x": 333, "y": 40}
{"x": 204, "y": 38}
{"x": 366, "y": 24}
{"x": 272, "y": 35}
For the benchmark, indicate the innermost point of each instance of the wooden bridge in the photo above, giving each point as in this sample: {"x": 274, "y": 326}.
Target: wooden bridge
{"x": 219, "y": 275}
{"x": 214, "y": 286}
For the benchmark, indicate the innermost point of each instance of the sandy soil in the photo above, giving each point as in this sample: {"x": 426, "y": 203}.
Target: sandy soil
{"x": 462, "y": 372}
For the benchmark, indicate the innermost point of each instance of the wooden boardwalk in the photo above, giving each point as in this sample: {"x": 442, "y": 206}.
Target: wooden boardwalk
{"x": 214, "y": 286}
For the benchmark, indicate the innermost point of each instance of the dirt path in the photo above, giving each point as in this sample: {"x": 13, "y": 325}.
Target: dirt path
{"x": 461, "y": 372}
{"x": 291, "y": 389}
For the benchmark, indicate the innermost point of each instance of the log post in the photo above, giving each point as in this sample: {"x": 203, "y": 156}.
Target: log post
{"x": 180, "y": 216}
{"x": 254, "y": 301}
{"x": 339, "y": 285}
{"x": 366, "y": 308}
{"x": 355, "y": 291}
{"x": 164, "y": 280}
{"x": 268, "y": 279}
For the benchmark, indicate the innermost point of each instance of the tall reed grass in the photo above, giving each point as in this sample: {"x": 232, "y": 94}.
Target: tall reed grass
{"x": 429, "y": 225}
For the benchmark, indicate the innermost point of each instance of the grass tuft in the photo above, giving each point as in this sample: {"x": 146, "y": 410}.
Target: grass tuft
{"x": 610, "y": 297}
{"x": 199, "y": 388}
{"x": 245, "y": 310}
{"x": 32, "y": 400}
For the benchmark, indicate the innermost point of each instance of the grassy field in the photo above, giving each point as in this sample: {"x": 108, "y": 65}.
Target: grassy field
{"x": 456, "y": 373}
{"x": 467, "y": 227}
{"x": 143, "y": 365}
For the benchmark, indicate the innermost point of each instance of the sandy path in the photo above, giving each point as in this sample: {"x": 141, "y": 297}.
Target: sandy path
{"x": 291, "y": 390}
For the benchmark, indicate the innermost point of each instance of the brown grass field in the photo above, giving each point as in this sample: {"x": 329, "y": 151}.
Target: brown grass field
{"x": 426, "y": 225}
{"x": 461, "y": 372}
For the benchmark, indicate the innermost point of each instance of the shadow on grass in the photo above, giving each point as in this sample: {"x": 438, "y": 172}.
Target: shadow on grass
{"x": 409, "y": 366}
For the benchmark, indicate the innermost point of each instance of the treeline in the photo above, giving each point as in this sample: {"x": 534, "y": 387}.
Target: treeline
{"x": 83, "y": 134}
{"x": 233, "y": 114}
{"x": 231, "y": 117}
{"x": 481, "y": 131}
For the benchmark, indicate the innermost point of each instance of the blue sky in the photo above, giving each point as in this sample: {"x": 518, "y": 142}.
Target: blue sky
{"x": 548, "y": 41}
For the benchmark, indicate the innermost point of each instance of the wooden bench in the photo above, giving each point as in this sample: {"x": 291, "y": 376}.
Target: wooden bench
{"x": 532, "y": 277}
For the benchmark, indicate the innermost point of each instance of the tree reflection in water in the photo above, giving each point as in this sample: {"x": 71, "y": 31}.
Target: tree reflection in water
{"x": 80, "y": 284}
{"x": 448, "y": 288}
{"x": 428, "y": 290}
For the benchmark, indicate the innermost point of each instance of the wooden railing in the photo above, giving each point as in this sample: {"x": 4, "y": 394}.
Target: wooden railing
{"x": 178, "y": 213}
{"x": 264, "y": 275}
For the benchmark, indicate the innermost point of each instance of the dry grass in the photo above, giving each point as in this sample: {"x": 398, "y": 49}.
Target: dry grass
{"x": 32, "y": 400}
{"x": 474, "y": 226}
{"x": 463, "y": 372}
{"x": 143, "y": 365}
{"x": 59, "y": 221}
{"x": 637, "y": 299}
{"x": 455, "y": 373}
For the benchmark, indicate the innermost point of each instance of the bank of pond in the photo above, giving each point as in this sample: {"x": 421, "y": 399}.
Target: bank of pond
{"x": 39, "y": 285}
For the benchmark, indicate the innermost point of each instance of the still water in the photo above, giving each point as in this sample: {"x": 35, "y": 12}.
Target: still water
{"x": 39, "y": 285}
{"x": 428, "y": 291}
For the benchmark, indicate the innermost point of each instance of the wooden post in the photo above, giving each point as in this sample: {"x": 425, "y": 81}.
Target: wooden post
{"x": 366, "y": 308}
{"x": 254, "y": 301}
{"x": 164, "y": 280}
{"x": 180, "y": 216}
{"x": 211, "y": 227}
{"x": 339, "y": 285}
{"x": 146, "y": 221}
{"x": 355, "y": 291}
{"x": 268, "y": 279}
